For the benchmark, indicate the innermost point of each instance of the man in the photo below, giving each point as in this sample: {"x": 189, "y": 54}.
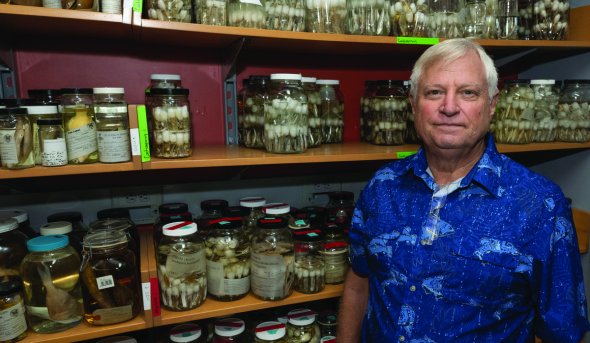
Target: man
{"x": 458, "y": 243}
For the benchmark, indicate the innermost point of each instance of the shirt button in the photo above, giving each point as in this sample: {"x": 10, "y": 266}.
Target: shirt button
{"x": 412, "y": 288}
{"x": 402, "y": 338}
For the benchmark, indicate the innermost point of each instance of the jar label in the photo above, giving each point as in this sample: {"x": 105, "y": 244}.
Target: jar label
{"x": 112, "y": 315}
{"x": 54, "y": 152}
{"x": 104, "y": 282}
{"x": 113, "y": 146}
{"x": 81, "y": 141}
{"x": 270, "y": 276}
{"x": 12, "y": 322}
{"x": 179, "y": 265}
{"x": 8, "y": 151}
{"x": 253, "y": 2}
{"x": 234, "y": 283}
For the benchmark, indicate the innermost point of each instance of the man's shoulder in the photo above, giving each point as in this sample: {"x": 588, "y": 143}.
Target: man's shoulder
{"x": 517, "y": 176}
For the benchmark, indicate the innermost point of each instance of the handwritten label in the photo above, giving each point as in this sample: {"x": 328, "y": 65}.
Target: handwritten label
{"x": 404, "y": 154}
{"x": 417, "y": 40}
{"x": 144, "y": 136}
{"x": 104, "y": 282}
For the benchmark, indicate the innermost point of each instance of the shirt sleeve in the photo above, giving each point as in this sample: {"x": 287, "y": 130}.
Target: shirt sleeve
{"x": 357, "y": 238}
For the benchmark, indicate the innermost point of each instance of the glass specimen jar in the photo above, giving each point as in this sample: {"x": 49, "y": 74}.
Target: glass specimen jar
{"x": 13, "y": 323}
{"x": 409, "y": 18}
{"x": 50, "y": 273}
{"x": 525, "y": 19}
{"x": 13, "y": 247}
{"x": 309, "y": 261}
{"x": 328, "y": 321}
{"x": 181, "y": 267}
{"x": 36, "y": 112}
{"x": 388, "y": 107}
{"x": 335, "y": 255}
{"x": 251, "y": 119}
{"x": 446, "y": 18}
{"x": 285, "y": 15}
{"x": 45, "y": 96}
{"x": 112, "y": 125}
{"x": 369, "y": 18}
{"x": 22, "y": 217}
{"x": 170, "y": 10}
{"x": 366, "y": 116}
{"x": 325, "y": 16}
{"x": 52, "y": 143}
{"x": 314, "y": 103}
{"x": 171, "y": 122}
{"x": 230, "y": 330}
{"x": 16, "y": 145}
{"x": 211, "y": 12}
{"x": 110, "y": 278}
{"x": 514, "y": 119}
{"x": 574, "y": 112}
{"x": 332, "y": 111}
{"x": 546, "y": 101}
{"x": 187, "y": 333}
{"x": 79, "y": 125}
{"x": 508, "y": 18}
{"x": 228, "y": 260}
{"x": 550, "y": 19}
{"x": 341, "y": 205}
{"x": 210, "y": 209}
{"x": 286, "y": 115}
{"x": 254, "y": 204}
{"x": 272, "y": 261}
{"x": 480, "y": 19}
{"x": 124, "y": 225}
{"x": 270, "y": 332}
{"x": 301, "y": 326}
{"x": 246, "y": 13}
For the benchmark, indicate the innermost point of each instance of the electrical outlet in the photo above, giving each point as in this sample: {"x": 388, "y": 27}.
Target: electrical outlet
{"x": 313, "y": 192}
{"x": 142, "y": 202}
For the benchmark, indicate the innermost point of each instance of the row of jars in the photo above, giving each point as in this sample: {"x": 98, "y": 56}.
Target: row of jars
{"x": 87, "y": 126}
{"x": 540, "y": 111}
{"x": 503, "y": 19}
{"x": 288, "y": 113}
{"x": 104, "y": 6}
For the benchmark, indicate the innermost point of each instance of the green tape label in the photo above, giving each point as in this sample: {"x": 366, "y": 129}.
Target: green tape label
{"x": 137, "y": 6}
{"x": 404, "y": 154}
{"x": 144, "y": 135}
{"x": 417, "y": 40}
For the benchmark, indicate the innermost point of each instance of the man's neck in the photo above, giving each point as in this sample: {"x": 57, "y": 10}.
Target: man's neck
{"x": 449, "y": 165}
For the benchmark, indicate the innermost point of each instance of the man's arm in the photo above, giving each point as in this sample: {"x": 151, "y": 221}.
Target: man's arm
{"x": 353, "y": 305}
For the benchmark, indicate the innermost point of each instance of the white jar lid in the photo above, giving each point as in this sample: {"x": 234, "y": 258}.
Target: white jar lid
{"x": 252, "y": 202}
{"x": 305, "y": 79}
{"x": 173, "y": 77}
{"x": 185, "y": 333}
{"x": 327, "y": 82}
{"x": 277, "y": 208}
{"x": 328, "y": 339}
{"x": 177, "y": 229}
{"x": 43, "y": 109}
{"x": 542, "y": 82}
{"x": 109, "y": 90}
{"x": 229, "y": 327}
{"x": 285, "y": 76}
{"x": 56, "y": 228}
{"x": 270, "y": 331}
{"x": 301, "y": 317}
{"x": 21, "y": 216}
{"x": 8, "y": 224}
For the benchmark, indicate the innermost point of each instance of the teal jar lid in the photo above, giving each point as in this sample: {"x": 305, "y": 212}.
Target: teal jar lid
{"x": 47, "y": 243}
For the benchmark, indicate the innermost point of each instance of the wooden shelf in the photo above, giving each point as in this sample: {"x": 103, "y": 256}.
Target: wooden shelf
{"x": 95, "y": 168}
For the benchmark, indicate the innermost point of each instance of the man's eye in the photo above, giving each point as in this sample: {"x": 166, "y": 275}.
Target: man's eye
{"x": 470, "y": 93}
{"x": 433, "y": 92}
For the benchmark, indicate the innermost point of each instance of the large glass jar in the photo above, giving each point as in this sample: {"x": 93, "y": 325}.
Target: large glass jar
{"x": 210, "y": 209}
{"x": 110, "y": 278}
{"x": 51, "y": 284}
{"x": 228, "y": 261}
{"x": 314, "y": 103}
{"x": 409, "y": 18}
{"x": 285, "y": 15}
{"x": 550, "y": 19}
{"x": 508, "y": 18}
{"x": 335, "y": 254}
{"x": 22, "y": 217}
{"x": 254, "y": 204}
{"x": 370, "y": 18}
{"x": 546, "y": 101}
{"x": 574, "y": 112}
{"x": 124, "y": 225}
{"x": 301, "y": 326}
{"x": 251, "y": 120}
{"x": 79, "y": 125}
{"x": 286, "y": 115}
{"x": 16, "y": 145}
{"x": 13, "y": 247}
{"x": 171, "y": 121}
{"x": 446, "y": 19}
{"x": 332, "y": 111}
{"x": 366, "y": 117}
{"x": 525, "y": 19}
{"x": 112, "y": 125}
{"x": 230, "y": 330}
{"x": 12, "y": 310}
{"x": 270, "y": 332}
{"x": 246, "y": 13}
{"x": 170, "y": 10}
{"x": 211, "y": 12}
{"x": 388, "y": 107}
{"x": 514, "y": 119}
{"x": 325, "y": 16}
{"x": 272, "y": 261}
{"x": 309, "y": 261}
{"x": 480, "y": 19}
{"x": 181, "y": 267}
{"x": 36, "y": 112}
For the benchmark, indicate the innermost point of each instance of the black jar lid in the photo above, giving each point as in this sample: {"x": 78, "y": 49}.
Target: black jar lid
{"x": 226, "y": 223}
{"x": 119, "y": 212}
{"x": 173, "y": 208}
{"x": 10, "y": 284}
{"x": 13, "y": 111}
{"x": 574, "y": 81}
{"x": 390, "y": 83}
{"x": 42, "y": 93}
{"x": 213, "y": 204}
{"x": 18, "y": 102}
{"x": 49, "y": 121}
{"x": 514, "y": 81}
{"x": 341, "y": 195}
{"x": 307, "y": 235}
{"x": 65, "y": 216}
{"x": 271, "y": 223}
{"x": 76, "y": 91}
{"x": 236, "y": 211}
{"x": 169, "y": 91}
{"x": 328, "y": 317}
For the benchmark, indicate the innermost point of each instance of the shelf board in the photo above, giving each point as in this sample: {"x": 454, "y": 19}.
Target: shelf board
{"x": 94, "y": 168}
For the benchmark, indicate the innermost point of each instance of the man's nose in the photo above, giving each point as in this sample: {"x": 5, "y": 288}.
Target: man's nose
{"x": 449, "y": 106}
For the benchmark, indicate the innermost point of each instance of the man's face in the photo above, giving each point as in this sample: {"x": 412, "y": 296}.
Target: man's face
{"x": 452, "y": 109}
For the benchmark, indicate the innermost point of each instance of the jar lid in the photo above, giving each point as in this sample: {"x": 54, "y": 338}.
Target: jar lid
{"x": 47, "y": 243}
{"x": 13, "y": 111}
{"x": 327, "y": 82}
{"x": 235, "y": 211}
{"x": 514, "y": 81}
{"x": 213, "y": 204}
{"x": 226, "y": 223}
{"x": 8, "y": 224}
{"x": 108, "y": 90}
{"x": 331, "y": 228}
{"x": 49, "y": 121}
{"x": 117, "y": 339}
{"x": 283, "y": 76}
{"x": 173, "y": 208}
{"x": 113, "y": 224}
{"x": 341, "y": 195}
{"x": 104, "y": 239}
{"x": 306, "y": 79}
{"x": 301, "y": 317}
{"x": 21, "y": 216}
{"x": 10, "y": 284}
{"x": 252, "y": 202}
{"x": 18, "y": 102}
{"x": 178, "y": 229}
{"x": 328, "y": 318}
{"x": 271, "y": 223}
{"x": 173, "y": 77}
{"x": 38, "y": 93}
{"x": 390, "y": 83}
{"x": 175, "y": 217}
{"x": 41, "y": 109}
{"x": 229, "y": 327}
{"x": 76, "y": 91}
{"x": 542, "y": 82}
{"x": 270, "y": 330}
{"x": 56, "y": 228}
{"x": 277, "y": 208}
{"x": 574, "y": 81}
{"x": 169, "y": 91}
{"x": 66, "y": 216}
{"x": 259, "y": 78}
{"x": 328, "y": 339}
{"x": 119, "y": 212}
{"x": 185, "y": 333}
{"x": 308, "y": 235}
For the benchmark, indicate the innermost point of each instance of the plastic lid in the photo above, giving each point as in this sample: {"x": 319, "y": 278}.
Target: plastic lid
{"x": 49, "y": 121}
{"x": 282, "y": 76}
{"x": 109, "y": 90}
{"x": 213, "y": 204}
{"x": 13, "y": 111}
{"x": 76, "y": 91}
{"x": 66, "y": 216}
{"x": 47, "y": 243}
{"x": 173, "y": 77}
{"x": 252, "y": 202}
{"x": 270, "y": 330}
{"x": 10, "y": 284}
{"x": 341, "y": 195}
{"x": 226, "y": 223}
{"x": 301, "y": 317}
{"x": 542, "y": 82}
{"x": 328, "y": 318}
{"x": 276, "y": 208}
{"x": 56, "y": 228}
{"x": 271, "y": 223}
{"x": 41, "y": 109}
{"x": 235, "y": 211}
{"x": 185, "y": 333}
{"x": 111, "y": 224}
{"x": 304, "y": 235}
{"x": 8, "y": 224}
{"x": 169, "y": 91}
{"x": 327, "y": 82}
{"x": 177, "y": 229}
{"x": 328, "y": 339}
{"x": 306, "y": 79}
{"x": 113, "y": 213}
{"x": 173, "y": 208}
{"x": 229, "y": 327}
{"x": 21, "y": 216}
{"x": 104, "y": 239}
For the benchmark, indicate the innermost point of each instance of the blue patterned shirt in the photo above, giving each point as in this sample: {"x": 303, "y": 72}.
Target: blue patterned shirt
{"x": 495, "y": 260}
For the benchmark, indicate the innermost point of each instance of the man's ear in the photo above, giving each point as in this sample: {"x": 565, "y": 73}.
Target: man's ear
{"x": 493, "y": 103}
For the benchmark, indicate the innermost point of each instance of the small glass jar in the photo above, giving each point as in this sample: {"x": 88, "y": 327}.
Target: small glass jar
{"x": 332, "y": 111}
{"x": 181, "y": 267}
{"x": 515, "y": 113}
{"x": 12, "y": 311}
{"x": 210, "y": 209}
{"x": 170, "y": 10}
{"x": 550, "y": 20}
{"x": 13, "y": 247}
{"x": 546, "y": 101}
{"x": 79, "y": 125}
{"x": 325, "y": 16}
{"x": 272, "y": 261}
{"x": 328, "y": 321}
{"x": 16, "y": 143}
{"x": 369, "y": 18}
{"x": 64, "y": 228}
{"x": 285, "y": 15}
{"x": 170, "y": 213}
{"x": 574, "y": 112}
{"x": 45, "y": 96}
{"x": 409, "y": 18}
{"x": 187, "y": 333}
{"x": 366, "y": 116}
{"x": 312, "y": 91}
{"x": 301, "y": 326}
{"x": 211, "y": 12}
{"x": 230, "y": 330}
{"x": 270, "y": 332}
{"x": 480, "y": 19}
{"x": 124, "y": 225}
{"x": 335, "y": 255}
{"x": 36, "y": 112}
{"x": 111, "y": 6}
{"x": 254, "y": 204}
{"x": 246, "y": 13}
{"x": 52, "y": 144}
{"x": 110, "y": 278}
{"x": 286, "y": 115}
{"x": 171, "y": 122}
{"x": 50, "y": 273}
{"x": 22, "y": 217}
{"x": 341, "y": 205}
{"x": 508, "y": 18}
{"x": 112, "y": 125}
{"x": 251, "y": 120}
{"x": 389, "y": 106}
{"x": 228, "y": 261}
{"x": 525, "y": 19}
{"x": 309, "y": 261}
{"x": 446, "y": 19}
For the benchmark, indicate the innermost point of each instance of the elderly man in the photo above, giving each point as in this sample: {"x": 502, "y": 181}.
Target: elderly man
{"x": 458, "y": 243}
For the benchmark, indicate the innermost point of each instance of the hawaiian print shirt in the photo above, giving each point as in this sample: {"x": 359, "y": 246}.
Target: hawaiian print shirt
{"x": 494, "y": 259}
